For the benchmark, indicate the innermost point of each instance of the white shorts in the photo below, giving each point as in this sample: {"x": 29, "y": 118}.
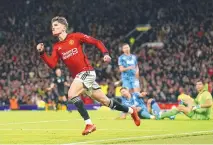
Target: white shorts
{"x": 88, "y": 80}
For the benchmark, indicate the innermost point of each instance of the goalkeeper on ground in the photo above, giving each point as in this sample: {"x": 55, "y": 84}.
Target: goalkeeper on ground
{"x": 198, "y": 109}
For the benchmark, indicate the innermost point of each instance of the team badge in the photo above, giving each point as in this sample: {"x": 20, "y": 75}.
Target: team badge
{"x": 71, "y": 42}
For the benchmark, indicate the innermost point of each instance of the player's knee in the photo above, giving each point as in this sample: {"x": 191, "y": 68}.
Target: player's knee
{"x": 180, "y": 108}
{"x": 105, "y": 101}
{"x": 71, "y": 94}
{"x": 149, "y": 102}
{"x": 101, "y": 97}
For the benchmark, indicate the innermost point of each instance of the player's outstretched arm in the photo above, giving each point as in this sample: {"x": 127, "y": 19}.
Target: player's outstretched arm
{"x": 52, "y": 60}
{"x": 90, "y": 40}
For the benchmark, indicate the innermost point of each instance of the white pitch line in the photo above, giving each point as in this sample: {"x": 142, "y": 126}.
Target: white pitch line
{"x": 44, "y": 121}
{"x": 33, "y": 122}
{"x": 140, "y": 137}
{"x": 52, "y": 129}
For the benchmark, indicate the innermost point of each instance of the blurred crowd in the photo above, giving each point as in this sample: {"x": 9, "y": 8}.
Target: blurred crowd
{"x": 184, "y": 27}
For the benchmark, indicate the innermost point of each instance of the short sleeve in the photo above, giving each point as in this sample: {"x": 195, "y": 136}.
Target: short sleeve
{"x": 120, "y": 61}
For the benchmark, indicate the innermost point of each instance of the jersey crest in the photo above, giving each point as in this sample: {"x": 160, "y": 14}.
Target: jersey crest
{"x": 71, "y": 42}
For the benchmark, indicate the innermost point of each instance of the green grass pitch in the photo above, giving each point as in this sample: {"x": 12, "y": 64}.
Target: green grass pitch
{"x": 49, "y": 127}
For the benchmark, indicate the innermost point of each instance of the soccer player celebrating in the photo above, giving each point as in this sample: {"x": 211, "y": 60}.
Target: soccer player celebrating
{"x": 69, "y": 50}
{"x": 148, "y": 111}
{"x": 60, "y": 82}
{"x": 128, "y": 67}
{"x": 198, "y": 109}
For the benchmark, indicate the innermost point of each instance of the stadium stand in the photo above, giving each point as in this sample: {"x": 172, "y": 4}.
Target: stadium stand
{"x": 185, "y": 28}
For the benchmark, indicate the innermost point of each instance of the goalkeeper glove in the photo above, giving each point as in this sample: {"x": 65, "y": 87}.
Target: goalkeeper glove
{"x": 196, "y": 107}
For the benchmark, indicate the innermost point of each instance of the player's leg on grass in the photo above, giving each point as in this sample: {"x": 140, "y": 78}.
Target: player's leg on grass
{"x": 144, "y": 114}
{"x": 81, "y": 84}
{"x": 186, "y": 109}
{"x": 175, "y": 111}
{"x": 75, "y": 90}
{"x": 98, "y": 95}
{"x": 199, "y": 114}
{"x": 153, "y": 107}
{"x": 168, "y": 114}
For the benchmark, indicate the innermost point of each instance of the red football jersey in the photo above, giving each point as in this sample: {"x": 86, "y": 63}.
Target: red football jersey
{"x": 71, "y": 53}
